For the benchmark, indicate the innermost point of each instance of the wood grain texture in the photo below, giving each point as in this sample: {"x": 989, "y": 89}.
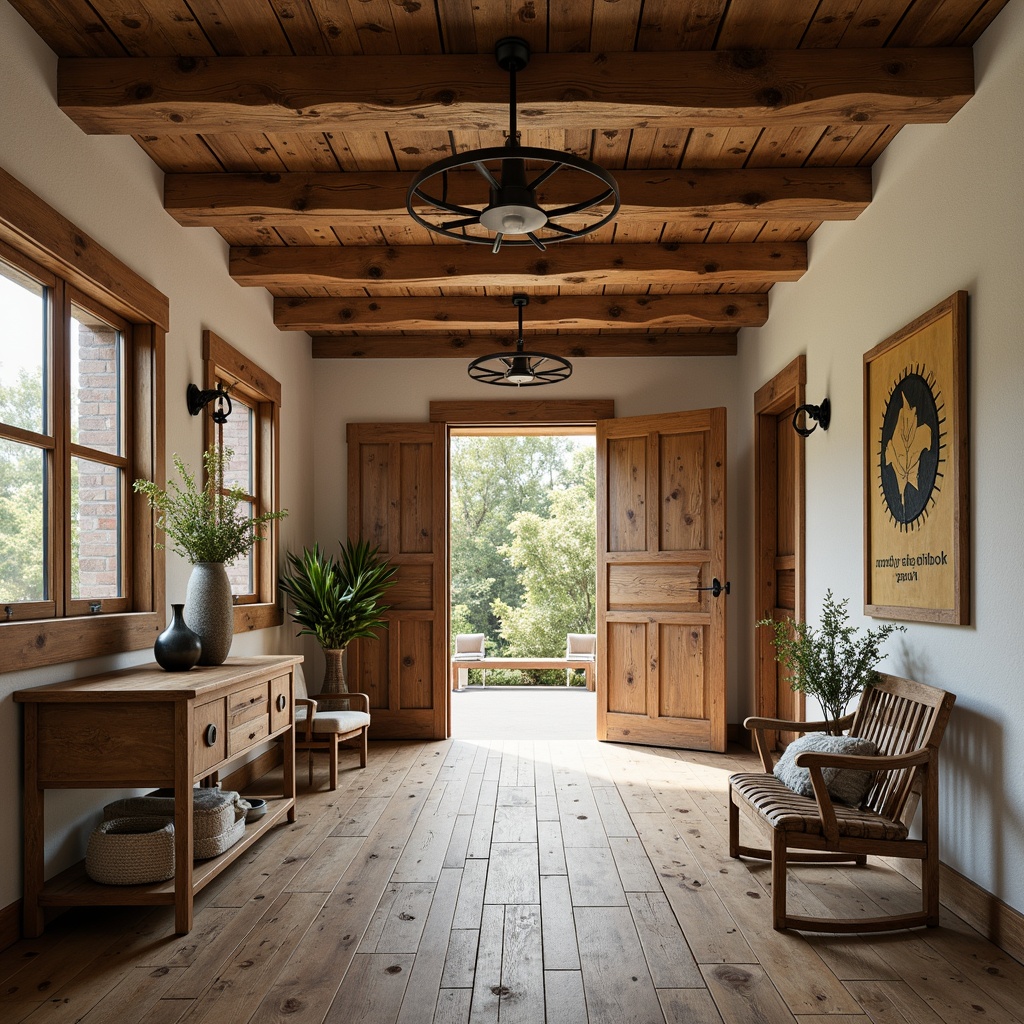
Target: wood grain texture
{"x": 703, "y": 194}
{"x": 348, "y": 271}
{"x": 461, "y": 346}
{"x": 614, "y": 313}
{"x": 136, "y": 96}
{"x": 315, "y": 927}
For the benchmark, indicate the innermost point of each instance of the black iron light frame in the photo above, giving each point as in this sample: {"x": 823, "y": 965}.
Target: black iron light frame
{"x": 520, "y": 369}
{"x": 513, "y": 208}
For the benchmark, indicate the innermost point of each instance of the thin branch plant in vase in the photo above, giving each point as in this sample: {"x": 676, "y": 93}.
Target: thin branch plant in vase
{"x": 210, "y": 528}
{"x": 833, "y": 663}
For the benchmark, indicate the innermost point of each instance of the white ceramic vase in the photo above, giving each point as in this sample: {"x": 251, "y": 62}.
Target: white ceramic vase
{"x": 209, "y": 610}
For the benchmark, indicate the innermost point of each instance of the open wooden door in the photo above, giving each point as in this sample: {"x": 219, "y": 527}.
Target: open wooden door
{"x": 397, "y": 501}
{"x": 660, "y": 542}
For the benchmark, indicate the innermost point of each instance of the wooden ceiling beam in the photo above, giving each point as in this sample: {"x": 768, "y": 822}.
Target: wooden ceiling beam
{"x": 301, "y": 199}
{"x": 472, "y": 312}
{"x": 468, "y": 92}
{"x": 349, "y": 270}
{"x": 461, "y": 346}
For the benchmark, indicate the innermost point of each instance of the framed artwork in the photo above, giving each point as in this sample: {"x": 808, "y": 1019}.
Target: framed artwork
{"x": 915, "y": 470}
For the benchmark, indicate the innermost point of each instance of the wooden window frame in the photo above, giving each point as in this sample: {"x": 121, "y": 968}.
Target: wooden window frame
{"x": 33, "y": 233}
{"x": 223, "y": 362}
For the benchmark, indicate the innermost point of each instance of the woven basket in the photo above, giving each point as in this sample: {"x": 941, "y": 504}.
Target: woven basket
{"x": 218, "y": 816}
{"x": 131, "y": 851}
{"x": 214, "y": 811}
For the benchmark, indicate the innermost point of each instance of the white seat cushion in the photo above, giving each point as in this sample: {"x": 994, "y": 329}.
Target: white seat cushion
{"x": 334, "y": 721}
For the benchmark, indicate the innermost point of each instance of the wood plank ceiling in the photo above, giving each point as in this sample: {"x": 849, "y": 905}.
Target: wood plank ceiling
{"x": 293, "y": 127}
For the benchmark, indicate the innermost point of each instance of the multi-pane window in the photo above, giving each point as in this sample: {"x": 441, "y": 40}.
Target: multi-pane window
{"x": 63, "y": 449}
{"x": 81, "y": 415}
{"x": 250, "y": 431}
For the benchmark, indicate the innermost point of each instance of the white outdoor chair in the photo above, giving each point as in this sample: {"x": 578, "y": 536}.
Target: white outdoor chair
{"x": 469, "y": 647}
{"x": 579, "y": 647}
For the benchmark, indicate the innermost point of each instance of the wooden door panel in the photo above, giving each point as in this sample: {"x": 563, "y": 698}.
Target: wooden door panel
{"x": 627, "y": 507}
{"x": 369, "y": 672}
{"x": 786, "y": 443}
{"x": 785, "y": 592}
{"x": 397, "y": 501}
{"x": 415, "y": 638}
{"x": 414, "y": 587}
{"x": 626, "y": 654}
{"x": 417, "y": 499}
{"x": 681, "y": 658}
{"x": 374, "y": 471}
{"x": 661, "y": 537}
{"x": 682, "y": 465}
{"x": 670, "y": 587}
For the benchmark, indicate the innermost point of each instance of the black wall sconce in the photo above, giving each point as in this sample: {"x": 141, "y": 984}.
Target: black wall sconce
{"x": 198, "y": 400}
{"x": 821, "y": 414}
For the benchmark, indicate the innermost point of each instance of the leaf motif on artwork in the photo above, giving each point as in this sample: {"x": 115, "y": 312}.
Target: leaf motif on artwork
{"x": 903, "y": 452}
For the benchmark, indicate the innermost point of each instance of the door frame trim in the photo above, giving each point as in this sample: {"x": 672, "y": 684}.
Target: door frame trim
{"x": 785, "y": 389}
{"x": 516, "y": 416}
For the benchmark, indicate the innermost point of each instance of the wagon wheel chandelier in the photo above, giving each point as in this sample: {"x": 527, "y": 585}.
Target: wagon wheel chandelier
{"x": 523, "y": 369}
{"x": 512, "y": 215}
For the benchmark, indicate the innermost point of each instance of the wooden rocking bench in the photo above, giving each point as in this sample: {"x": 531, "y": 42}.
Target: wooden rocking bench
{"x": 906, "y": 721}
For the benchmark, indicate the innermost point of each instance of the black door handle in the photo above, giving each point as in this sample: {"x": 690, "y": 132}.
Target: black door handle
{"x": 716, "y": 588}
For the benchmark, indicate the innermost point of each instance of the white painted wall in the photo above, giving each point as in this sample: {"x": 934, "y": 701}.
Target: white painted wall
{"x": 948, "y": 213}
{"x": 110, "y": 189}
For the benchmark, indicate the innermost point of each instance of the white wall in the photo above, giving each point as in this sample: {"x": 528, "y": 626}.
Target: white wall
{"x": 110, "y": 189}
{"x": 948, "y": 213}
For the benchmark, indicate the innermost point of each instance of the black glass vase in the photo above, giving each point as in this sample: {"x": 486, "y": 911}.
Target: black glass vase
{"x": 177, "y": 648}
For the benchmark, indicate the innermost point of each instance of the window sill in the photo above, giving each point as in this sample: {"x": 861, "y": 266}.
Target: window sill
{"x": 39, "y": 642}
{"x": 249, "y": 617}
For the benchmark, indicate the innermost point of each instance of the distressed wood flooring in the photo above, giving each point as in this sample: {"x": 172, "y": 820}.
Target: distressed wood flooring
{"x": 464, "y": 882}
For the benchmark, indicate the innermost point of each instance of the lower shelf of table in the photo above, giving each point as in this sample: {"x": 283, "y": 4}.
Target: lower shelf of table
{"x": 74, "y": 888}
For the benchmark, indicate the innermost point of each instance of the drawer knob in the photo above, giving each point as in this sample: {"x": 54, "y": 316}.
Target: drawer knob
{"x": 252, "y": 735}
{"x": 252, "y": 700}
{"x": 281, "y": 702}
{"x": 210, "y": 735}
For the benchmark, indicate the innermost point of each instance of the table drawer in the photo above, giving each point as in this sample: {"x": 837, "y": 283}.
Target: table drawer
{"x": 280, "y": 702}
{"x": 248, "y": 734}
{"x": 247, "y": 704}
{"x": 209, "y": 735}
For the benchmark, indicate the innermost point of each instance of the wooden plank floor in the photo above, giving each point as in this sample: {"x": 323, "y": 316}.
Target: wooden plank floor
{"x": 464, "y": 882}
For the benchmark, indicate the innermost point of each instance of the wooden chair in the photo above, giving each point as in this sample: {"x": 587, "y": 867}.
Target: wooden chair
{"x": 327, "y": 730}
{"x": 906, "y": 721}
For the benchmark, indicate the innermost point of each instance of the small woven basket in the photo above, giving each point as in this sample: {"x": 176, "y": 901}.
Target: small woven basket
{"x": 131, "y": 851}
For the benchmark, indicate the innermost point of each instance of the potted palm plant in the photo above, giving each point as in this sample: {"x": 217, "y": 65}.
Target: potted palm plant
{"x": 833, "y": 663}
{"x": 338, "y": 600}
{"x": 209, "y": 528}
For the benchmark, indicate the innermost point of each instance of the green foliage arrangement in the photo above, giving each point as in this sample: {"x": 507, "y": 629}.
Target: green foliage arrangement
{"x": 338, "y": 600}
{"x": 205, "y": 524}
{"x": 832, "y": 664}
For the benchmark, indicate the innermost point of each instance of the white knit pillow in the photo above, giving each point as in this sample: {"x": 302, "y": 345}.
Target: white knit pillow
{"x": 847, "y": 785}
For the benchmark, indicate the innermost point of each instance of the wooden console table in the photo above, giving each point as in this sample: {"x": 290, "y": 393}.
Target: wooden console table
{"x": 142, "y": 727}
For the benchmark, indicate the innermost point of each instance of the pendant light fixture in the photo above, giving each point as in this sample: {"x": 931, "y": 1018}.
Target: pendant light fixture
{"x": 521, "y": 369}
{"x": 511, "y": 214}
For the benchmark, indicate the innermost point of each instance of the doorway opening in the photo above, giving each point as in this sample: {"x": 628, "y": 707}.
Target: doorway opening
{"x": 522, "y": 582}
